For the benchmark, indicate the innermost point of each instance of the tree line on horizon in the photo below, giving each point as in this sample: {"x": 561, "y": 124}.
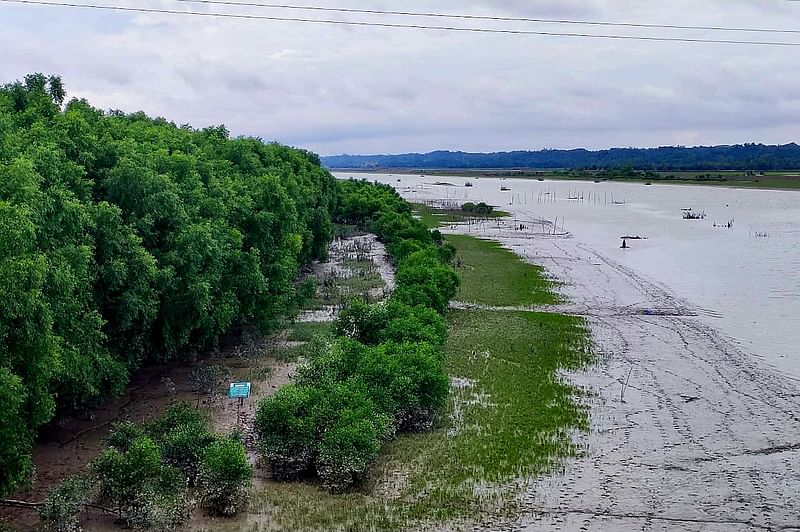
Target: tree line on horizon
{"x": 741, "y": 157}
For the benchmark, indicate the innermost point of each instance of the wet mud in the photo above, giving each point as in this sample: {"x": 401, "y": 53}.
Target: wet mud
{"x": 688, "y": 432}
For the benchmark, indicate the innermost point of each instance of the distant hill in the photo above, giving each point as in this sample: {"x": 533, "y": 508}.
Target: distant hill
{"x": 757, "y": 157}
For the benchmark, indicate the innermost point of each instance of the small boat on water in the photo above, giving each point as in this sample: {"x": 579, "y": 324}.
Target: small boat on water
{"x": 504, "y": 189}
{"x": 467, "y": 184}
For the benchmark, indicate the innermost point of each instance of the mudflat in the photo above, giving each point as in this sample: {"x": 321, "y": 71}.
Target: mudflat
{"x": 688, "y": 432}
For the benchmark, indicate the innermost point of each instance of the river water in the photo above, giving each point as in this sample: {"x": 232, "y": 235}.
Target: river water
{"x": 743, "y": 280}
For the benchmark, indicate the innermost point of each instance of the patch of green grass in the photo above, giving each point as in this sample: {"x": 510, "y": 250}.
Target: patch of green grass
{"x": 305, "y": 332}
{"x": 433, "y": 218}
{"x": 289, "y": 354}
{"x": 428, "y": 216}
{"x": 492, "y": 275}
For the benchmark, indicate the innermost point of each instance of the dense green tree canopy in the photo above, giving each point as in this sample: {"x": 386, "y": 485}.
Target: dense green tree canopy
{"x": 126, "y": 239}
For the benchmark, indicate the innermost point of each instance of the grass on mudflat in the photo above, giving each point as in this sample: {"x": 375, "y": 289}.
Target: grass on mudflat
{"x": 306, "y": 331}
{"x": 433, "y": 218}
{"x": 510, "y": 418}
{"x": 359, "y": 281}
{"x": 493, "y": 275}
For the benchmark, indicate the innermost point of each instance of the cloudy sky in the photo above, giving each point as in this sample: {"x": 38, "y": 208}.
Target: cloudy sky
{"x": 342, "y": 89}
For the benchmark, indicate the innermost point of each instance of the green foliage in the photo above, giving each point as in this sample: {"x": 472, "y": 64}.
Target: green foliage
{"x": 362, "y": 321}
{"x": 15, "y": 440}
{"x": 286, "y": 430}
{"x": 146, "y": 492}
{"x": 182, "y": 435}
{"x": 145, "y": 471}
{"x": 123, "y": 434}
{"x": 413, "y": 325}
{"x": 422, "y": 279}
{"x": 407, "y": 382}
{"x": 391, "y": 321}
{"x": 383, "y": 373}
{"x": 126, "y": 240}
{"x": 350, "y": 430}
{"x": 60, "y": 510}
{"x": 225, "y": 476}
{"x": 306, "y": 291}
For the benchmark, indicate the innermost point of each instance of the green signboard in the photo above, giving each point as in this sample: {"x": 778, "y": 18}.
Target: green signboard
{"x": 239, "y": 390}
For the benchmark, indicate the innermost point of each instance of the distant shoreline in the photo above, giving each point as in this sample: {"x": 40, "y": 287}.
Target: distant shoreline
{"x": 778, "y": 180}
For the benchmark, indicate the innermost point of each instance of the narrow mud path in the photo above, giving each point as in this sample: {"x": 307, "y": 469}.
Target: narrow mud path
{"x": 687, "y": 431}
{"x": 364, "y": 248}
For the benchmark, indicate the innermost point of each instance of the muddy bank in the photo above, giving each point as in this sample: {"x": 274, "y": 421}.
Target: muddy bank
{"x": 67, "y": 446}
{"x": 688, "y": 431}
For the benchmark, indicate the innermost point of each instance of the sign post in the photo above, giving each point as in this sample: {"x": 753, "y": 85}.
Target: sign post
{"x": 240, "y": 391}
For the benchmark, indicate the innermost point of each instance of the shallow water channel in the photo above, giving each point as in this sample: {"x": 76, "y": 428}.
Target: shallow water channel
{"x": 743, "y": 280}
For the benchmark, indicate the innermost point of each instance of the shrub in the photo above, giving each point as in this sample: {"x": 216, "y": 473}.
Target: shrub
{"x": 391, "y": 321}
{"x": 144, "y": 491}
{"x": 182, "y": 434}
{"x": 481, "y": 209}
{"x": 159, "y": 510}
{"x": 394, "y": 227}
{"x": 422, "y": 279}
{"x": 407, "y": 324}
{"x": 401, "y": 249}
{"x": 123, "y": 434}
{"x": 351, "y": 434}
{"x": 447, "y": 253}
{"x": 60, "y": 510}
{"x": 285, "y": 428}
{"x": 305, "y": 291}
{"x": 362, "y": 321}
{"x": 205, "y": 380}
{"x": 224, "y": 478}
{"x": 427, "y": 384}
{"x": 337, "y": 362}
{"x": 406, "y": 382}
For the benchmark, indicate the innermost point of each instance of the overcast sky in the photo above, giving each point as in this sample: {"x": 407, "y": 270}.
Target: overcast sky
{"x": 339, "y": 89}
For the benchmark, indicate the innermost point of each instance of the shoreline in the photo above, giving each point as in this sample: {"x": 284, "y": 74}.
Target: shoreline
{"x": 772, "y": 182}
{"x": 688, "y": 432}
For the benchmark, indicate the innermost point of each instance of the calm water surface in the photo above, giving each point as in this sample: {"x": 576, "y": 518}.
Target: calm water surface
{"x": 746, "y": 279}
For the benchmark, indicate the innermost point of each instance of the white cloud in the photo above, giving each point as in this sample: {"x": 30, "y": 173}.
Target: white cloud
{"x": 343, "y": 89}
